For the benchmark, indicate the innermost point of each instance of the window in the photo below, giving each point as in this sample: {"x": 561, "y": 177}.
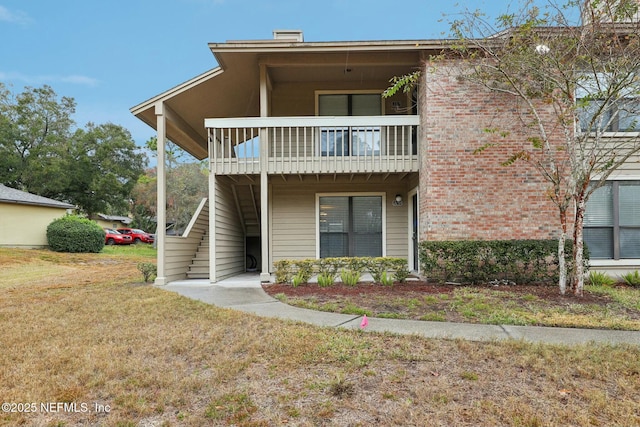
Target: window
{"x": 350, "y": 226}
{"x": 621, "y": 116}
{"x": 613, "y": 111}
{"x": 350, "y": 141}
{"x": 612, "y": 221}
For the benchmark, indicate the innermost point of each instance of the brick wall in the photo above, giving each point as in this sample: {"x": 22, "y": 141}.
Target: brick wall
{"x": 472, "y": 196}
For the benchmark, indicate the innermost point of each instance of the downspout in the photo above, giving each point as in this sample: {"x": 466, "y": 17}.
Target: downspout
{"x": 161, "y": 205}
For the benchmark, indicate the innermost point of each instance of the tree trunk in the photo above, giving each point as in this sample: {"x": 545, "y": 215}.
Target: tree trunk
{"x": 562, "y": 265}
{"x": 578, "y": 247}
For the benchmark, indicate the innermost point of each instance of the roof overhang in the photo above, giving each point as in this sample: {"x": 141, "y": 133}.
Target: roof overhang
{"x": 233, "y": 88}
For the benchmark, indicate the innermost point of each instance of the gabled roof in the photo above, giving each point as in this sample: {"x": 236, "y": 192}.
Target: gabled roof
{"x": 232, "y": 89}
{"x": 11, "y": 195}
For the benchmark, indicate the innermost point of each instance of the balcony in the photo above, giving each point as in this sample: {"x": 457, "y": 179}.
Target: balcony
{"x": 313, "y": 145}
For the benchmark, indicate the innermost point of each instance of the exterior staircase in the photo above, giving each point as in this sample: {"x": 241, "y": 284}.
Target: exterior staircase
{"x": 247, "y": 199}
{"x": 199, "y": 267}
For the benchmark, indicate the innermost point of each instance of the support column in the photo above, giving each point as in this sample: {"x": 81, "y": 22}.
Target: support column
{"x": 265, "y": 276}
{"x": 265, "y": 85}
{"x": 213, "y": 183}
{"x": 161, "y": 203}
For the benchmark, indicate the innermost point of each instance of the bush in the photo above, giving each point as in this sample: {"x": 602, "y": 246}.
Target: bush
{"x": 149, "y": 271}
{"x": 598, "y": 278}
{"x": 283, "y": 271}
{"x": 349, "y": 277}
{"x": 350, "y": 269}
{"x": 474, "y": 261}
{"x": 75, "y": 234}
{"x": 631, "y": 278}
{"x": 326, "y": 279}
{"x": 387, "y": 279}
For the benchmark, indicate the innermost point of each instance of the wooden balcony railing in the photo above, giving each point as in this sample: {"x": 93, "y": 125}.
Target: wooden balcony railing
{"x": 299, "y": 145}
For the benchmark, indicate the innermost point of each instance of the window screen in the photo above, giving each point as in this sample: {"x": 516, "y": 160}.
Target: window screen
{"x": 612, "y": 221}
{"x": 350, "y": 226}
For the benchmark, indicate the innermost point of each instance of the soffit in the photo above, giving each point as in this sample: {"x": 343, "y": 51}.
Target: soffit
{"x": 233, "y": 89}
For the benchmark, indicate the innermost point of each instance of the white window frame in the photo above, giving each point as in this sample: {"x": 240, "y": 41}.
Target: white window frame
{"x": 381, "y": 194}
{"x": 633, "y": 263}
{"x": 319, "y": 93}
{"x": 584, "y": 91}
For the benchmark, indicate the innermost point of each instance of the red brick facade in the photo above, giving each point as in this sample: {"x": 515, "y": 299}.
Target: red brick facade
{"x": 467, "y": 195}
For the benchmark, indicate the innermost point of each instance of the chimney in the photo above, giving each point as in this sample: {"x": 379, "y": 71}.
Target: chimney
{"x": 289, "y": 35}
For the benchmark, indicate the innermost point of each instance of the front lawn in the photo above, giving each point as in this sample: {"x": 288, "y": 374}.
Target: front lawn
{"x": 86, "y": 342}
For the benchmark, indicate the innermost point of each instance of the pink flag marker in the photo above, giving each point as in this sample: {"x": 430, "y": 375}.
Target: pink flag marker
{"x": 365, "y": 322}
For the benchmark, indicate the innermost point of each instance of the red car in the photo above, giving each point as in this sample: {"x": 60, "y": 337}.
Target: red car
{"x": 112, "y": 237}
{"x": 137, "y": 235}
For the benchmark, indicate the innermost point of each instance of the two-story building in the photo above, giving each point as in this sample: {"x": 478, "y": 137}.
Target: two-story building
{"x": 308, "y": 160}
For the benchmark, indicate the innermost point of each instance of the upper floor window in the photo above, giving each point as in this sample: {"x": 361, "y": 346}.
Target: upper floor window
{"x": 350, "y": 141}
{"x": 605, "y": 109}
{"x": 620, "y": 116}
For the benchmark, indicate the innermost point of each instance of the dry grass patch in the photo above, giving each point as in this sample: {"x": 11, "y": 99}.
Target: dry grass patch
{"x": 96, "y": 335}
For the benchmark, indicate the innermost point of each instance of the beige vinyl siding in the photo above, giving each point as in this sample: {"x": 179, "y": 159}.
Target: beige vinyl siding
{"x": 618, "y": 145}
{"x": 294, "y": 222}
{"x": 25, "y": 226}
{"x": 299, "y": 99}
{"x": 181, "y": 250}
{"x": 229, "y": 239}
{"x": 631, "y": 168}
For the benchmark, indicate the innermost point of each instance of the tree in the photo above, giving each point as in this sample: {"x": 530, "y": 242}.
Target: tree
{"x": 572, "y": 85}
{"x": 187, "y": 185}
{"x": 106, "y": 165}
{"x": 32, "y": 125}
{"x": 42, "y": 152}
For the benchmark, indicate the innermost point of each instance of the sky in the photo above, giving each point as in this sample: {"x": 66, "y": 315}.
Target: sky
{"x": 112, "y": 55}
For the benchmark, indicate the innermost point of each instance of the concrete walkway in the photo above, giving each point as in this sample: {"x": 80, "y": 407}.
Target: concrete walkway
{"x": 245, "y": 293}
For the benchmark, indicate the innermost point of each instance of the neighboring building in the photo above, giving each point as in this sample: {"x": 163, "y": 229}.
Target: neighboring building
{"x": 112, "y": 221}
{"x": 308, "y": 160}
{"x": 24, "y": 218}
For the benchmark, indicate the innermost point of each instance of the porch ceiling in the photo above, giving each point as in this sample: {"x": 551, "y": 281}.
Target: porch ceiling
{"x": 233, "y": 88}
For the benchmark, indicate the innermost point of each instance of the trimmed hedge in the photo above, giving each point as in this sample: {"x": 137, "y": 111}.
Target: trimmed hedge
{"x": 328, "y": 269}
{"x": 75, "y": 234}
{"x": 475, "y": 262}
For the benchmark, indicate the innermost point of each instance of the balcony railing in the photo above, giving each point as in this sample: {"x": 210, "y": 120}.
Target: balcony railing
{"x": 298, "y": 145}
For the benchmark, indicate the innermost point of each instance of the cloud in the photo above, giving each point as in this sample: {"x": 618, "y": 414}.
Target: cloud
{"x": 80, "y": 80}
{"x": 17, "y": 17}
{"x": 48, "y": 79}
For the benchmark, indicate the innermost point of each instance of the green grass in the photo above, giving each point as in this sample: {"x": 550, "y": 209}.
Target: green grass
{"x": 140, "y": 250}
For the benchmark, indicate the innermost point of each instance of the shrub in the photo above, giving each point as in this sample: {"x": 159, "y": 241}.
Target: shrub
{"x": 474, "y": 261}
{"x": 75, "y": 234}
{"x": 297, "y": 272}
{"x": 350, "y": 277}
{"x": 149, "y": 271}
{"x": 283, "y": 271}
{"x": 631, "y": 278}
{"x": 378, "y": 266}
{"x": 400, "y": 269}
{"x": 304, "y": 270}
{"x": 325, "y": 279}
{"x": 328, "y": 268}
{"x": 598, "y": 278}
{"x": 386, "y": 279}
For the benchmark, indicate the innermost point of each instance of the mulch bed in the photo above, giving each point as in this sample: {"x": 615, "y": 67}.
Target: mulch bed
{"x": 550, "y": 294}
